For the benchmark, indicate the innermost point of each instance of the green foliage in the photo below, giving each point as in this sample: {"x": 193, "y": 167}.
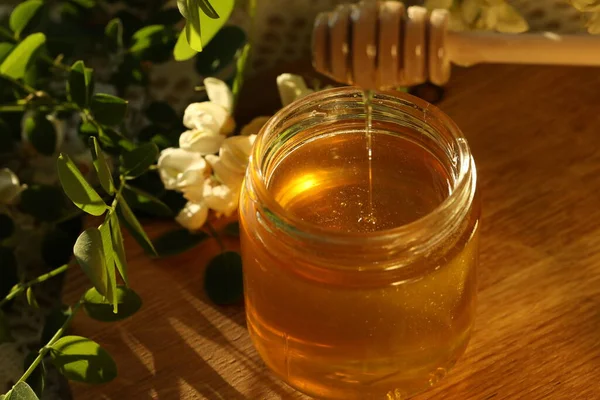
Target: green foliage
{"x": 134, "y": 227}
{"x": 107, "y": 109}
{"x": 82, "y": 360}
{"x": 223, "y": 280}
{"x": 137, "y": 161}
{"x": 101, "y": 167}
{"x": 143, "y": 201}
{"x": 80, "y": 84}
{"x": 41, "y": 133}
{"x": 153, "y": 43}
{"x": 23, "y": 14}
{"x": 200, "y": 28}
{"x": 37, "y": 380}
{"x": 77, "y": 188}
{"x": 178, "y": 241}
{"x": 54, "y": 321}
{"x": 109, "y": 264}
{"x": 226, "y": 46}
{"x": 89, "y": 252}
{"x": 22, "y": 56}
{"x": 117, "y": 244}
{"x": 114, "y": 34}
{"x": 98, "y": 308}
{"x": 31, "y": 300}
{"x": 22, "y": 391}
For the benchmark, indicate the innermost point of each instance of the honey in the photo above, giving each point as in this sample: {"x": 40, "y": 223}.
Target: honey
{"x": 342, "y": 300}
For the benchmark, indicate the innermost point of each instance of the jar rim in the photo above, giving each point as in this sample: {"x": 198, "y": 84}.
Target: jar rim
{"x": 462, "y": 185}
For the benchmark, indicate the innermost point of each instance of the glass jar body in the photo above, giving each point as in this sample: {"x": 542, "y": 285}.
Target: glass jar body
{"x": 379, "y": 315}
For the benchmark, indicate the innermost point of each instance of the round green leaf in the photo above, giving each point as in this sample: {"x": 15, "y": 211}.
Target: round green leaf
{"x": 183, "y": 51}
{"x": 137, "y": 161}
{"x": 22, "y": 391}
{"x": 23, "y": 14}
{"x": 37, "y": 379}
{"x": 54, "y": 321}
{"x": 41, "y": 133}
{"x": 17, "y": 62}
{"x": 98, "y": 308}
{"x": 77, "y": 188}
{"x": 177, "y": 242}
{"x": 83, "y": 360}
{"x": 5, "y": 49}
{"x": 107, "y": 109}
{"x": 7, "y": 226}
{"x": 57, "y": 247}
{"x": 223, "y": 281}
{"x": 221, "y": 52}
{"x": 43, "y": 202}
{"x": 89, "y": 253}
{"x": 211, "y": 26}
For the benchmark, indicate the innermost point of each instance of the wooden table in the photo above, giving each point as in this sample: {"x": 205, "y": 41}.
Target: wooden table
{"x": 535, "y": 134}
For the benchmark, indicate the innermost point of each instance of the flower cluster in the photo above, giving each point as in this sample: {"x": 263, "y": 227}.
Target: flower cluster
{"x": 489, "y": 15}
{"x": 209, "y": 165}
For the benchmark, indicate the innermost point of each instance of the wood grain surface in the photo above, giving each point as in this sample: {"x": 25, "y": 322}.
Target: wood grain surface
{"x": 535, "y": 135}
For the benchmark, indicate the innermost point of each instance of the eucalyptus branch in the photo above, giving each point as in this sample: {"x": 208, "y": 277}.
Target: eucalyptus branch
{"x": 44, "y": 350}
{"x": 20, "y": 288}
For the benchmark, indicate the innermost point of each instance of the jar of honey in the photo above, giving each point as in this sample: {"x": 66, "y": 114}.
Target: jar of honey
{"x": 360, "y": 249}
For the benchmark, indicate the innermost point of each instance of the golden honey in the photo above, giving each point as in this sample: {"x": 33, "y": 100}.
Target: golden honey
{"x": 348, "y": 299}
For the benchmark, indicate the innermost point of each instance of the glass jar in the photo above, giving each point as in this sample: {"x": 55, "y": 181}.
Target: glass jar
{"x": 344, "y": 303}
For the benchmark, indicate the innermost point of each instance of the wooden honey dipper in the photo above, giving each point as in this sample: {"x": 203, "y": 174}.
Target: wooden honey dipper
{"x": 379, "y": 45}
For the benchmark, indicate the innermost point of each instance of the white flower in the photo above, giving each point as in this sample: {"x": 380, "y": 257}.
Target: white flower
{"x": 291, "y": 88}
{"x": 218, "y": 93}
{"x": 179, "y": 168}
{"x": 193, "y": 216}
{"x": 254, "y": 126}
{"x": 10, "y": 186}
{"x": 201, "y": 140}
{"x": 220, "y": 198}
{"x": 235, "y": 152}
{"x": 586, "y": 5}
{"x": 233, "y": 179}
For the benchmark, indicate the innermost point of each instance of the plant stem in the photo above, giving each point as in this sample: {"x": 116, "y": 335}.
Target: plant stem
{"x": 44, "y": 350}
{"x": 12, "y": 108}
{"x": 23, "y": 287}
{"x": 215, "y": 235}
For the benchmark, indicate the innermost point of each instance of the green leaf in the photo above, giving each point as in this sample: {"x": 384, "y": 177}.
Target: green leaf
{"x": 41, "y": 133}
{"x": 101, "y": 167}
{"x": 107, "y": 109}
{"x": 160, "y": 112}
{"x": 143, "y": 201}
{"x": 193, "y": 32}
{"x": 232, "y": 229}
{"x": 5, "y": 335}
{"x": 44, "y": 203}
{"x": 5, "y": 49}
{"x": 238, "y": 81}
{"x": 137, "y": 161}
{"x": 83, "y": 360}
{"x": 23, "y": 14}
{"x": 178, "y": 241}
{"x": 134, "y": 227}
{"x": 210, "y": 26}
{"x": 109, "y": 264}
{"x": 7, "y": 226}
{"x": 77, "y": 188}
{"x": 98, "y": 308}
{"x": 22, "y": 391}
{"x": 117, "y": 244}
{"x": 18, "y": 61}
{"x": 79, "y": 84}
{"x": 37, "y": 379}
{"x": 153, "y": 43}
{"x": 89, "y": 253}
{"x": 54, "y": 321}
{"x": 31, "y": 298}
{"x": 114, "y": 33}
{"x": 226, "y": 46}
{"x": 183, "y": 51}
{"x": 208, "y": 9}
{"x": 223, "y": 281}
